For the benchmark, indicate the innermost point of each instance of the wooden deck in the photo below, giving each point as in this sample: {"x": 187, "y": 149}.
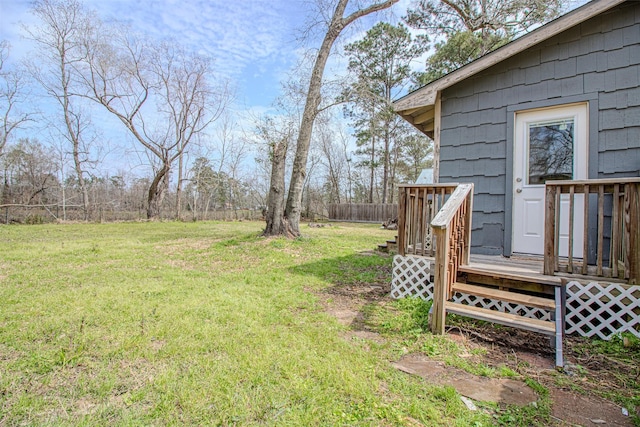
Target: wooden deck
{"x": 517, "y": 273}
{"x": 528, "y": 266}
{"x": 521, "y": 265}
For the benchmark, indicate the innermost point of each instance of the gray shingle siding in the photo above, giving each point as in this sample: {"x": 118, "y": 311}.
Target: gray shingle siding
{"x": 598, "y": 60}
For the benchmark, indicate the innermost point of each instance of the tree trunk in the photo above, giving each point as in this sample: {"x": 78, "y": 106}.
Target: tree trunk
{"x": 394, "y": 169}
{"x": 179, "y": 188}
{"x": 372, "y": 166}
{"x": 299, "y": 172}
{"x": 277, "y": 223}
{"x": 72, "y": 122}
{"x": 385, "y": 166}
{"x": 157, "y": 191}
{"x": 81, "y": 181}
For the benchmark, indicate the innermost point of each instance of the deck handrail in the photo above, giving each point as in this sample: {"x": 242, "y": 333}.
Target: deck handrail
{"x": 621, "y": 219}
{"x": 417, "y": 205}
{"x": 452, "y": 233}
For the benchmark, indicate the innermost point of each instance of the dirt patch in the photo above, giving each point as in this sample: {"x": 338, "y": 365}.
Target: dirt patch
{"x": 157, "y": 345}
{"x": 586, "y": 411}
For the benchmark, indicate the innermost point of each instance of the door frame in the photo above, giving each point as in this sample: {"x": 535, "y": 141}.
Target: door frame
{"x": 521, "y": 162}
{"x": 592, "y": 155}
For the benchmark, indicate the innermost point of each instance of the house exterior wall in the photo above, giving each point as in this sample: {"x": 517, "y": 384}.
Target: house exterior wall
{"x": 597, "y": 61}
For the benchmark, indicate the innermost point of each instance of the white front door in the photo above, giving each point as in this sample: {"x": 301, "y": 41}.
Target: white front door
{"x": 550, "y": 144}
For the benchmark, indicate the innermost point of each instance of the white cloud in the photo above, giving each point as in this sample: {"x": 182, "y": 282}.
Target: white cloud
{"x": 239, "y": 35}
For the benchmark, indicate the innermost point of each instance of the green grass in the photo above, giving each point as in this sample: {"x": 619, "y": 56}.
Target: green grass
{"x": 196, "y": 323}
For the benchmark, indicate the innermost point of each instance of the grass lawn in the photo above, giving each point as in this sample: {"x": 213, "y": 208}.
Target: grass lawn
{"x": 196, "y": 323}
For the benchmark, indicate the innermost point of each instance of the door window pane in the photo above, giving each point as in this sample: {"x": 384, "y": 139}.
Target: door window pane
{"x": 550, "y": 151}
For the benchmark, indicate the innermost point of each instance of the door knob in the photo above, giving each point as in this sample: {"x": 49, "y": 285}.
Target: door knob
{"x": 519, "y": 190}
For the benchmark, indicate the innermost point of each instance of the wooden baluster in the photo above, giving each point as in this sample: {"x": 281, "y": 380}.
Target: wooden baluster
{"x": 432, "y": 213}
{"x": 402, "y": 213}
{"x": 615, "y": 230}
{"x": 585, "y": 244}
{"x": 600, "y": 229}
{"x": 467, "y": 228}
{"x": 436, "y": 209}
{"x": 416, "y": 221}
{"x": 419, "y": 222}
{"x": 409, "y": 220}
{"x": 425, "y": 220}
{"x": 453, "y": 256}
{"x": 571, "y": 207}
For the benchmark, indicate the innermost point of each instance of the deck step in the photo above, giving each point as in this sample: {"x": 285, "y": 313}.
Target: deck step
{"x": 515, "y": 276}
{"x": 497, "y": 294}
{"x": 506, "y": 319}
{"x": 390, "y": 245}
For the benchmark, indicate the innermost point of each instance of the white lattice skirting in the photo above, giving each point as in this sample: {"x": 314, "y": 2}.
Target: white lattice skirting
{"x": 412, "y": 277}
{"x": 602, "y": 309}
{"x": 593, "y": 308}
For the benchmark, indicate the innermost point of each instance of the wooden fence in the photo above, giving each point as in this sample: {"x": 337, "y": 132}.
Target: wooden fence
{"x": 364, "y": 212}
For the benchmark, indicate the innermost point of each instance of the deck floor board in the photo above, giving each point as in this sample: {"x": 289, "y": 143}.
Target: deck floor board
{"x": 516, "y": 265}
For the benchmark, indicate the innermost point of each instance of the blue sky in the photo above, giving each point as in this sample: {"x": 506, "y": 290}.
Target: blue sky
{"x": 252, "y": 42}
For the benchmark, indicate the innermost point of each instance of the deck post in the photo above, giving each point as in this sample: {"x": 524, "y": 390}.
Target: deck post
{"x": 440, "y": 281}
{"x": 550, "y": 231}
{"x": 559, "y": 314}
{"x": 632, "y": 219}
{"x": 402, "y": 220}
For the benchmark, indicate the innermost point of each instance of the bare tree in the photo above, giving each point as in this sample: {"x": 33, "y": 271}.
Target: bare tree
{"x": 12, "y": 93}
{"x": 64, "y": 24}
{"x": 30, "y": 175}
{"x": 332, "y": 161}
{"x": 289, "y": 222}
{"x": 162, "y": 94}
{"x": 202, "y": 186}
{"x": 232, "y": 150}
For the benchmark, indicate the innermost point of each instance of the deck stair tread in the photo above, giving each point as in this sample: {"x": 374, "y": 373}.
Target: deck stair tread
{"x": 390, "y": 244}
{"x": 515, "y": 275}
{"x": 507, "y": 319}
{"x": 497, "y": 294}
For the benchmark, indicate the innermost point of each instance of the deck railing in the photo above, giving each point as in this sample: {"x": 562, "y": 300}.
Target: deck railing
{"x": 417, "y": 206}
{"x": 452, "y": 233}
{"x": 610, "y": 235}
